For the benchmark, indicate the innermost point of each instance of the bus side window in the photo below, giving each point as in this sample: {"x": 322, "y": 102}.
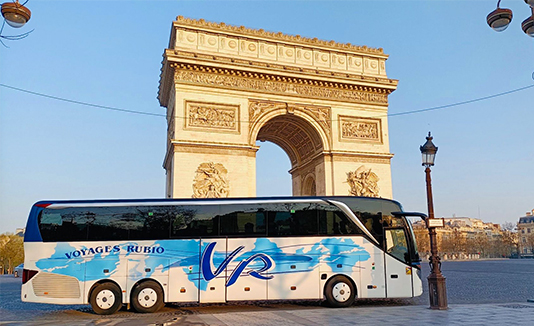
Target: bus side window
{"x": 396, "y": 244}
{"x": 195, "y": 221}
{"x": 242, "y": 220}
{"x": 304, "y": 222}
{"x": 374, "y": 224}
{"x": 292, "y": 219}
{"x": 336, "y": 223}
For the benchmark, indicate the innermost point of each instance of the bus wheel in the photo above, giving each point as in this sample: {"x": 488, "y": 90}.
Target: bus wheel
{"x": 147, "y": 297}
{"x": 106, "y": 298}
{"x": 339, "y": 292}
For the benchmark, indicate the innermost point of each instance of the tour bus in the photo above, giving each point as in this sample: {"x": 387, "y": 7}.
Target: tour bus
{"x": 145, "y": 253}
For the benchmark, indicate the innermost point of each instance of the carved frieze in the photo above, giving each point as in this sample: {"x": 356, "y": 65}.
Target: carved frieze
{"x": 257, "y": 108}
{"x": 355, "y": 128}
{"x": 363, "y": 182}
{"x": 211, "y": 181}
{"x": 280, "y": 85}
{"x": 221, "y": 117}
{"x": 320, "y": 114}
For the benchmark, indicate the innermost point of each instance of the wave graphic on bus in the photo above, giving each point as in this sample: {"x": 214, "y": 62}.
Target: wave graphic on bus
{"x": 265, "y": 258}
{"x": 208, "y": 274}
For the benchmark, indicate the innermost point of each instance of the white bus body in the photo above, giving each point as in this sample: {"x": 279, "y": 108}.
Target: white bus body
{"x": 226, "y": 257}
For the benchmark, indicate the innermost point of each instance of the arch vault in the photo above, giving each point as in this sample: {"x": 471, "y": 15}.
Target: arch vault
{"x": 324, "y": 103}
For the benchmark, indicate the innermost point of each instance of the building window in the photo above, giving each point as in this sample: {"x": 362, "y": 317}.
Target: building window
{"x": 528, "y": 230}
{"x": 523, "y": 231}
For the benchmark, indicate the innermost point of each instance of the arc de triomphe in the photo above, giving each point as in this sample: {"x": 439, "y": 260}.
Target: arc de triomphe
{"x": 324, "y": 103}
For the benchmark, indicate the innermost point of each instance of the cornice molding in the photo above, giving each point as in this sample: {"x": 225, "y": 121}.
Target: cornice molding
{"x": 276, "y": 84}
{"x": 208, "y": 144}
{"x": 274, "y": 36}
{"x": 342, "y": 156}
{"x": 211, "y": 59}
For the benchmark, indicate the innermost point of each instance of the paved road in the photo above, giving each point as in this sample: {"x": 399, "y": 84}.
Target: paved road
{"x": 485, "y": 281}
{"x": 496, "y": 290}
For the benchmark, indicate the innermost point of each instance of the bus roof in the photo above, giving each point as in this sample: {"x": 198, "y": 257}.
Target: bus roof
{"x": 46, "y": 203}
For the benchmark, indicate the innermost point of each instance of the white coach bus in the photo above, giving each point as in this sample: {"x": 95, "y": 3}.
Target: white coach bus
{"x": 145, "y": 253}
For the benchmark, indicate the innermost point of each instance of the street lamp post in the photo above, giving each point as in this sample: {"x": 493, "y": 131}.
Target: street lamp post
{"x": 436, "y": 280}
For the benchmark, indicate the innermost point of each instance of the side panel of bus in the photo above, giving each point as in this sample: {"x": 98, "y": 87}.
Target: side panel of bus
{"x": 60, "y": 277}
{"x": 295, "y": 274}
{"x": 241, "y": 281}
{"x": 184, "y": 270}
{"x": 213, "y": 257}
{"x": 372, "y": 282}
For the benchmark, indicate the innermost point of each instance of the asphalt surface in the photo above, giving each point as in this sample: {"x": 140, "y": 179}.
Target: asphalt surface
{"x": 479, "y": 293}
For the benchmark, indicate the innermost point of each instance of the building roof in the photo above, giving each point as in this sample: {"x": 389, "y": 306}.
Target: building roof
{"x": 526, "y": 219}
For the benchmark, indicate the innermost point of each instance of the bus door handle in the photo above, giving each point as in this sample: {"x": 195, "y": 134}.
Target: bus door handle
{"x": 394, "y": 276}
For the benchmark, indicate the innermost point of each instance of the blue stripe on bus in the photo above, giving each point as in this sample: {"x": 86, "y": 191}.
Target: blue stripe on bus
{"x": 32, "y": 233}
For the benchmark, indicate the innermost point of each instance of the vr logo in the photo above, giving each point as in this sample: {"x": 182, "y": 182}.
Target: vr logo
{"x": 208, "y": 274}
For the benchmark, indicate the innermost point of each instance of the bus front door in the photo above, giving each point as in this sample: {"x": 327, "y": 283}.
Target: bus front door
{"x": 398, "y": 270}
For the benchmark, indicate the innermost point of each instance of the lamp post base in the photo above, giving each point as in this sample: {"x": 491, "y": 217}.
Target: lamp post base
{"x": 437, "y": 291}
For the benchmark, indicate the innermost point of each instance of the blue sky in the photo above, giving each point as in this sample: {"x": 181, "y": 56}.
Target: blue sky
{"x": 109, "y": 53}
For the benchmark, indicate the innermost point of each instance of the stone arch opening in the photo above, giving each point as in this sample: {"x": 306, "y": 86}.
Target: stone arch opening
{"x": 309, "y": 187}
{"x": 304, "y": 146}
{"x": 272, "y": 162}
{"x": 295, "y": 136}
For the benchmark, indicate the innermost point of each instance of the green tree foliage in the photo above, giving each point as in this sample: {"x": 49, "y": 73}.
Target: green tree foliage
{"x": 11, "y": 251}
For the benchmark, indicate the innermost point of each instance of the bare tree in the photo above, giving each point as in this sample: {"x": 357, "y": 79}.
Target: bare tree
{"x": 508, "y": 226}
{"x": 479, "y": 244}
{"x": 423, "y": 241}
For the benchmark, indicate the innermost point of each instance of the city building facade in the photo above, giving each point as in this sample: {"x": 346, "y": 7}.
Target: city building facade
{"x": 525, "y": 230}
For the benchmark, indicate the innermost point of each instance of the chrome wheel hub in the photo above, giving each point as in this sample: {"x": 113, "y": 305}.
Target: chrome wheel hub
{"x": 105, "y": 299}
{"x": 147, "y": 297}
{"x": 341, "y": 292}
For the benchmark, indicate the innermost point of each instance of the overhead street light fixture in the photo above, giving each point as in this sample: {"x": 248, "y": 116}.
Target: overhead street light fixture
{"x": 528, "y": 24}
{"x": 500, "y": 18}
{"x": 15, "y": 14}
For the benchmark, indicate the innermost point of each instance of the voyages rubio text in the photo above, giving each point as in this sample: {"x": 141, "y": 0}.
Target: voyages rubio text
{"x": 114, "y": 249}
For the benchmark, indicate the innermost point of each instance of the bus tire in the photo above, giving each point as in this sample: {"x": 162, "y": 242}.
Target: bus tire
{"x": 339, "y": 292}
{"x": 106, "y": 298}
{"x": 147, "y": 297}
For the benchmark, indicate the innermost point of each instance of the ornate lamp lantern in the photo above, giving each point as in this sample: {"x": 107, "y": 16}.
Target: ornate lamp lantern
{"x": 428, "y": 151}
